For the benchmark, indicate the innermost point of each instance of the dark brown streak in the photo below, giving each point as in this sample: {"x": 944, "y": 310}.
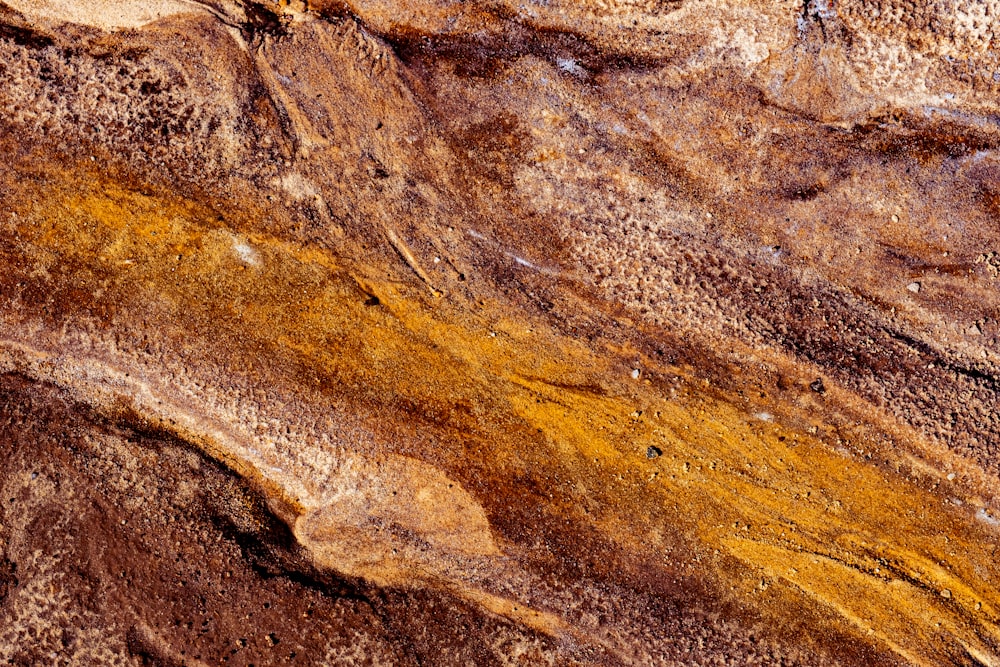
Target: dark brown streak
{"x": 484, "y": 53}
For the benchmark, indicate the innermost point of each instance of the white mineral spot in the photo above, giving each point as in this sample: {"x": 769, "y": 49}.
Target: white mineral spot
{"x": 951, "y": 477}
{"x": 568, "y": 65}
{"x": 246, "y": 252}
{"x": 914, "y": 287}
{"x": 636, "y": 373}
{"x": 987, "y": 518}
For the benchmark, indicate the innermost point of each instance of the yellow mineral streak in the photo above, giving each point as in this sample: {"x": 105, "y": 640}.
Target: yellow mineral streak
{"x": 774, "y": 511}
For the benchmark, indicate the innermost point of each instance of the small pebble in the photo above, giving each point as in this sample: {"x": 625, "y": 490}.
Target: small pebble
{"x": 945, "y": 593}
{"x": 653, "y": 452}
{"x": 895, "y": 218}
{"x": 914, "y": 287}
{"x": 818, "y": 386}
{"x": 951, "y": 477}
{"x": 636, "y": 373}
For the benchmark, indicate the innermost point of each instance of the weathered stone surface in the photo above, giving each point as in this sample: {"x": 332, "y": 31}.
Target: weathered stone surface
{"x": 601, "y": 333}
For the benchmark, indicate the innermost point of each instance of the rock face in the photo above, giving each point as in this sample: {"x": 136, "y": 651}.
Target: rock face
{"x": 603, "y": 332}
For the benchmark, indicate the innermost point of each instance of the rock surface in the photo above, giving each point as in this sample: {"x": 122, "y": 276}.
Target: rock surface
{"x": 603, "y": 332}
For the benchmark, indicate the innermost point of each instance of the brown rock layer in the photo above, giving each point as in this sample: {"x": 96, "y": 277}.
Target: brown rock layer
{"x": 559, "y": 333}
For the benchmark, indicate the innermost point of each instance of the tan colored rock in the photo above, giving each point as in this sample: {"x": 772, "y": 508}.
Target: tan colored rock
{"x": 326, "y": 330}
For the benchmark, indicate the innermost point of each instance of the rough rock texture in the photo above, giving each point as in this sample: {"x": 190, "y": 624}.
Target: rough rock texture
{"x": 601, "y": 332}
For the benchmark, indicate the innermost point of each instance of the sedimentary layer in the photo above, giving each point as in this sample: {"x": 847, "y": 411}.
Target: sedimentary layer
{"x": 595, "y": 333}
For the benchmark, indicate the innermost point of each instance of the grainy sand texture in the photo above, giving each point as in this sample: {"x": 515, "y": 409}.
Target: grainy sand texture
{"x": 591, "y": 332}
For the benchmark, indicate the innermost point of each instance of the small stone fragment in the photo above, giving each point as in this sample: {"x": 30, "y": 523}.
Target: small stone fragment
{"x": 914, "y": 287}
{"x": 818, "y": 386}
{"x": 945, "y": 593}
{"x": 653, "y": 452}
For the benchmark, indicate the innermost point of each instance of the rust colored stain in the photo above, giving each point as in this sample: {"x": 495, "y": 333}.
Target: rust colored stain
{"x": 604, "y": 333}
